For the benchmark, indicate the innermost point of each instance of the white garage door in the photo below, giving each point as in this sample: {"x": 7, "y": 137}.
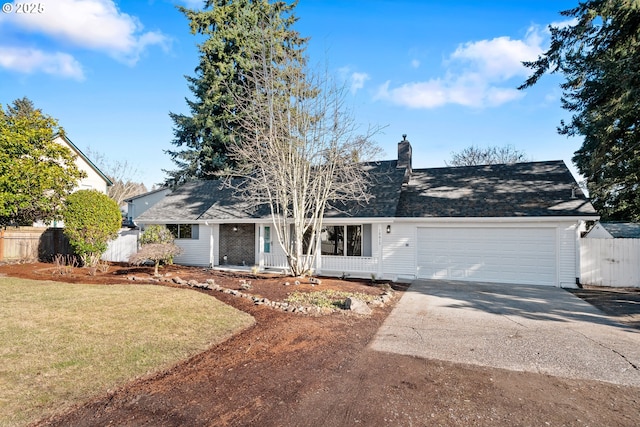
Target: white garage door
{"x": 502, "y": 255}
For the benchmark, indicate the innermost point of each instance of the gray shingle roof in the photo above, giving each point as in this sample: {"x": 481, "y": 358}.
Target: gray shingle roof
{"x": 518, "y": 190}
{"x": 514, "y": 190}
{"x": 213, "y": 200}
{"x": 385, "y": 188}
{"x": 200, "y": 200}
{"x": 622, "y": 230}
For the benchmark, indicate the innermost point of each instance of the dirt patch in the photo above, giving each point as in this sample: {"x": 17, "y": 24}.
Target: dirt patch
{"x": 290, "y": 369}
{"x": 623, "y": 304}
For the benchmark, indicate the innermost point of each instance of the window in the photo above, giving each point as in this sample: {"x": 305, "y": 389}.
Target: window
{"x": 354, "y": 240}
{"x": 267, "y": 239}
{"x": 183, "y": 231}
{"x": 333, "y": 241}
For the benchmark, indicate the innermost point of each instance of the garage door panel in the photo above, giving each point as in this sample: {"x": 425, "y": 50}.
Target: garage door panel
{"x": 505, "y": 255}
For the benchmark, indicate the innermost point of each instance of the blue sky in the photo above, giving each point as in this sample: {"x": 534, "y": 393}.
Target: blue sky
{"x": 443, "y": 72}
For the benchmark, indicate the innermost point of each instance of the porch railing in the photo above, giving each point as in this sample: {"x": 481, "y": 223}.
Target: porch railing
{"x": 345, "y": 264}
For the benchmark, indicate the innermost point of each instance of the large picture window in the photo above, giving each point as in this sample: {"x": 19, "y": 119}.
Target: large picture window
{"x": 183, "y": 231}
{"x": 341, "y": 240}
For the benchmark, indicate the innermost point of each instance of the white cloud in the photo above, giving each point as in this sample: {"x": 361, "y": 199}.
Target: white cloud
{"x": 415, "y": 63}
{"x": 478, "y": 75}
{"x": 563, "y": 24}
{"x": 34, "y": 60}
{"x": 352, "y": 79}
{"x": 357, "y": 81}
{"x": 92, "y": 24}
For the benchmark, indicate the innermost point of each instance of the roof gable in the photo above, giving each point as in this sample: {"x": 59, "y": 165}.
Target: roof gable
{"x": 80, "y": 154}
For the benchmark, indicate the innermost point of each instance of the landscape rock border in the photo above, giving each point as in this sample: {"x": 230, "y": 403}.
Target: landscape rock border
{"x": 353, "y": 305}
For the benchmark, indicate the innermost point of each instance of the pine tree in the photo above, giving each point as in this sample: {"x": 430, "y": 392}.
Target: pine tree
{"x": 203, "y": 138}
{"x": 599, "y": 56}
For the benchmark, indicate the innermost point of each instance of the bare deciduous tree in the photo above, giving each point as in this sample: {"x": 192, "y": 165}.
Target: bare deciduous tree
{"x": 303, "y": 152}
{"x": 121, "y": 173}
{"x": 474, "y": 156}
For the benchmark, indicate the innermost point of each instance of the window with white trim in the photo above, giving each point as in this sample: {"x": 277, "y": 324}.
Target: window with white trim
{"x": 341, "y": 240}
{"x": 184, "y": 231}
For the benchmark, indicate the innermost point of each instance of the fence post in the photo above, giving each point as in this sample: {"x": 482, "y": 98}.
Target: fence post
{"x": 2, "y": 244}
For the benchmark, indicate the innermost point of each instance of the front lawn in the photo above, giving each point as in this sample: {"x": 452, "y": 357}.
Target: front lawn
{"x": 61, "y": 343}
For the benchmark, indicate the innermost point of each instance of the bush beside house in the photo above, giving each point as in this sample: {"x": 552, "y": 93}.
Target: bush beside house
{"x": 91, "y": 220}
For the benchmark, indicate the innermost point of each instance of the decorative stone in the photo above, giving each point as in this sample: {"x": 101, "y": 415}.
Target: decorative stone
{"x": 178, "y": 280}
{"x": 357, "y": 306}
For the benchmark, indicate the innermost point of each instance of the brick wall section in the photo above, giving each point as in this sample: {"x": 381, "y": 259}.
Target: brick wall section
{"x": 238, "y": 246}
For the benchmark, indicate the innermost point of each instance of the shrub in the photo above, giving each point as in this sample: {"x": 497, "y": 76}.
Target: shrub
{"x": 91, "y": 219}
{"x": 155, "y": 252}
{"x": 156, "y": 234}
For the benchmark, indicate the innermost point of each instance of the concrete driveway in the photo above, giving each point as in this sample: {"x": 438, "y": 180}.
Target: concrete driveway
{"x": 523, "y": 328}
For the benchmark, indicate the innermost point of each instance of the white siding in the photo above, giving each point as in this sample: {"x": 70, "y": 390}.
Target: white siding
{"x": 93, "y": 180}
{"x": 568, "y": 257}
{"x": 195, "y": 251}
{"x": 598, "y": 232}
{"x": 399, "y": 251}
{"x": 142, "y": 203}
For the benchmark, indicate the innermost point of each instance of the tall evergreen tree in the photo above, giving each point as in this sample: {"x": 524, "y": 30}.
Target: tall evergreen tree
{"x": 599, "y": 55}
{"x": 226, "y": 55}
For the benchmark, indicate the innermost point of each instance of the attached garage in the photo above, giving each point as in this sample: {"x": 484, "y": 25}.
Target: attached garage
{"x": 489, "y": 254}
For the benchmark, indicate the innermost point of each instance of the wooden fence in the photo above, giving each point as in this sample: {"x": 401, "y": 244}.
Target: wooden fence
{"x": 610, "y": 262}
{"x": 41, "y": 244}
{"x": 32, "y": 243}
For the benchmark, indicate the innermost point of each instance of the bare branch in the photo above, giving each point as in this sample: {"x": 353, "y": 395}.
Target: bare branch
{"x": 121, "y": 173}
{"x": 304, "y": 151}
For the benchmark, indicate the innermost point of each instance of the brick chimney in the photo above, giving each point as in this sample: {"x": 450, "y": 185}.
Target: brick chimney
{"x": 404, "y": 157}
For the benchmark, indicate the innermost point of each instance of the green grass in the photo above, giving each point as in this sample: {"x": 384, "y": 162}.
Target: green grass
{"x": 61, "y": 343}
{"x": 327, "y": 298}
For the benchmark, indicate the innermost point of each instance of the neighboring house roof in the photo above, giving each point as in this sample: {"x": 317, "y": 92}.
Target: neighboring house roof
{"x": 622, "y": 230}
{"x": 83, "y": 157}
{"x": 530, "y": 189}
{"x": 148, "y": 193}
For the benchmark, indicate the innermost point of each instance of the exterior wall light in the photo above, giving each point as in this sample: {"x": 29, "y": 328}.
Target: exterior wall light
{"x": 388, "y": 229}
